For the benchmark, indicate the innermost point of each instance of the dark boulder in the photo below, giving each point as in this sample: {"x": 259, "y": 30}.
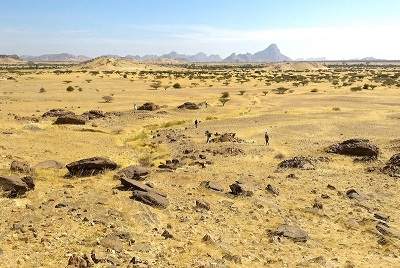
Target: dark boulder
{"x": 21, "y": 167}
{"x": 90, "y": 166}
{"x": 57, "y": 113}
{"x": 70, "y": 120}
{"x": 355, "y": 147}
{"x": 189, "y": 106}
{"x": 132, "y": 172}
{"x": 292, "y": 232}
{"x": 138, "y": 186}
{"x": 93, "y": 114}
{"x": 150, "y": 198}
{"x": 300, "y": 162}
{"x": 392, "y": 167}
{"x": 149, "y": 106}
{"x": 238, "y": 189}
{"x": 14, "y": 186}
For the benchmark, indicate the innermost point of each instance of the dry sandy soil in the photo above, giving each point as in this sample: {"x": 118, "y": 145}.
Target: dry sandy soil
{"x": 65, "y": 215}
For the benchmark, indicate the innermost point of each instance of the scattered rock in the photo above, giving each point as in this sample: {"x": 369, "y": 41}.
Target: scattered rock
{"x": 70, "y": 120}
{"x": 212, "y": 186}
{"x": 238, "y": 188}
{"x": 90, "y": 166}
{"x": 21, "y": 167}
{"x": 93, "y": 114}
{"x": 380, "y": 216}
{"x": 57, "y": 113}
{"x": 300, "y": 162}
{"x": 170, "y": 164}
{"x": 292, "y": 232}
{"x": 355, "y": 147}
{"x": 133, "y": 172}
{"x": 76, "y": 261}
{"x": 352, "y": 194}
{"x": 149, "y": 106}
{"x": 207, "y": 239}
{"x": 150, "y": 198}
{"x": 189, "y": 106}
{"x": 137, "y": 263}
{"x": 14, "y": 186}
{"x": 384, "y": 229}
{"x": 272, "y": 190}
{"x": 226, "y": 137}
{"x": 167, "y": 235}
{"x": 134, "y": 185}
{"x": 392, "y": 167}
{"x": 202, "y": 205}
{"x": 49, "y": 164}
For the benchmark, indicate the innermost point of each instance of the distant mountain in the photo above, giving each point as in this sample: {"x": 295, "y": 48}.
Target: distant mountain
{"x": 270, "y": 54}
{"x": 371, "y": 59}
{"x": 56, "y": 57}
{"x": 311, "y": 59}
{"x": 10, "y": 59}
{"x": 174, "y": 56}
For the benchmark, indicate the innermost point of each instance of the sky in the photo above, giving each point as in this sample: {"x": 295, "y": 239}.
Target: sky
{"x": 335, "y": 29}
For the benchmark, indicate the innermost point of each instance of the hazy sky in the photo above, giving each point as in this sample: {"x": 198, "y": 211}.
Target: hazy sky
{"x": 335, "y": 29}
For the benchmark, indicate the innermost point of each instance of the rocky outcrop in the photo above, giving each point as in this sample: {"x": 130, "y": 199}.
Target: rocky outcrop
{"x": 14, "y": 186}
{"x": 90, "y": 166}
{"x": 355, "y": 147}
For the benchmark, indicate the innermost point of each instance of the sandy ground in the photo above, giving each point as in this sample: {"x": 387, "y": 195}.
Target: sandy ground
{"x": 37, "y": 232}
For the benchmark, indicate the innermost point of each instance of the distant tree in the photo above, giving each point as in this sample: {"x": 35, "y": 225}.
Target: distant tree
{"x": 241, "y": 92}
{"x": 42, "y": 90}
{"x": 225, "y": 94}
{"x": 265, "y": 92}
{"x": 223, "y": 100}
{"x": 155, "y": 85}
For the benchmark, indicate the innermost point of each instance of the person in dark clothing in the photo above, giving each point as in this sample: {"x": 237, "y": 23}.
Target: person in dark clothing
{"x": 196, "y": 123}
{"x": 266, "y": 136}
{"x": 208, "y": 135}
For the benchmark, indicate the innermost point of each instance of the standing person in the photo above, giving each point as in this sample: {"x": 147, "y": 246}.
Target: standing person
{"x": 266, "y": 136}
{"x": 208, "y": 135}
{"x": 196, "y": 123}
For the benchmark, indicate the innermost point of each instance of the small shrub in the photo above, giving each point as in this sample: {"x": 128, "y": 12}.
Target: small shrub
{"x": 314, "y": 90}
{"x": 177, "y": 85}
{"x": 70, "y": 88}
{"x": 354, "y": 89}
{"x": 42, "y": 90}
{"x": 241, "y": 92}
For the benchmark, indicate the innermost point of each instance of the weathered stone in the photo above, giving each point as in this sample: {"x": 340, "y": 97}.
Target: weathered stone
{"x": 355, "y": 147}
{"x": 93, "y": 114}
{"x": 167, "y": 235}
{"x": 202, "y": 205}
{"x": 238, "y": 188}
{"x": 14, "y": 186}
{"x": 189, "y": 106}
{"x": 57, "y": 113}
{"x": 212, "y": 186}
{"x": 292, "y": 232}
{"x": 149, "y": 106}
{"x": 150, "y": 198}
{"x": 21, "y": 167}
{"x": 69, "y": 120}
{"x": 300, "y": 162}
{"x": 49, "y": 164}
{"x": 90, "y": 166}
{"x": 272, "y": 189}
{"x": 133, "y": 172}
{"x": 392, "y": 167}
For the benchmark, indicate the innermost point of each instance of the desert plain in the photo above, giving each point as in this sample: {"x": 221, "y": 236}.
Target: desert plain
{"x": 231, "y": 202}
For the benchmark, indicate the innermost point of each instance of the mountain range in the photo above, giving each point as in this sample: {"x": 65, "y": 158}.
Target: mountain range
{"x": 271, "y": 54}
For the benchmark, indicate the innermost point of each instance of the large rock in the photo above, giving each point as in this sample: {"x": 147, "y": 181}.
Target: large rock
{"x": 292, "y": 232}
{"x": 189, "y": 106}
{"x": 355, "y": 147}
{"x": 138, "y": 186}
{"x": 300, "y": 162}
{"x": 90, "y": 166}
{"x": 21, "y": 167}
{"x": 150, "y": 198}
{"x": 14, "y": 186}
{"x": 212, "y": 186}
{"x": 392, "y": 167}
{"x": 238, "y": 188}
{"x": 149, "y": 106}
{"x": 93, "y": 114}
{"x": 132, "y": 172}
{"x": 70, "y": 120}
{"x": 57, "y": 113}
